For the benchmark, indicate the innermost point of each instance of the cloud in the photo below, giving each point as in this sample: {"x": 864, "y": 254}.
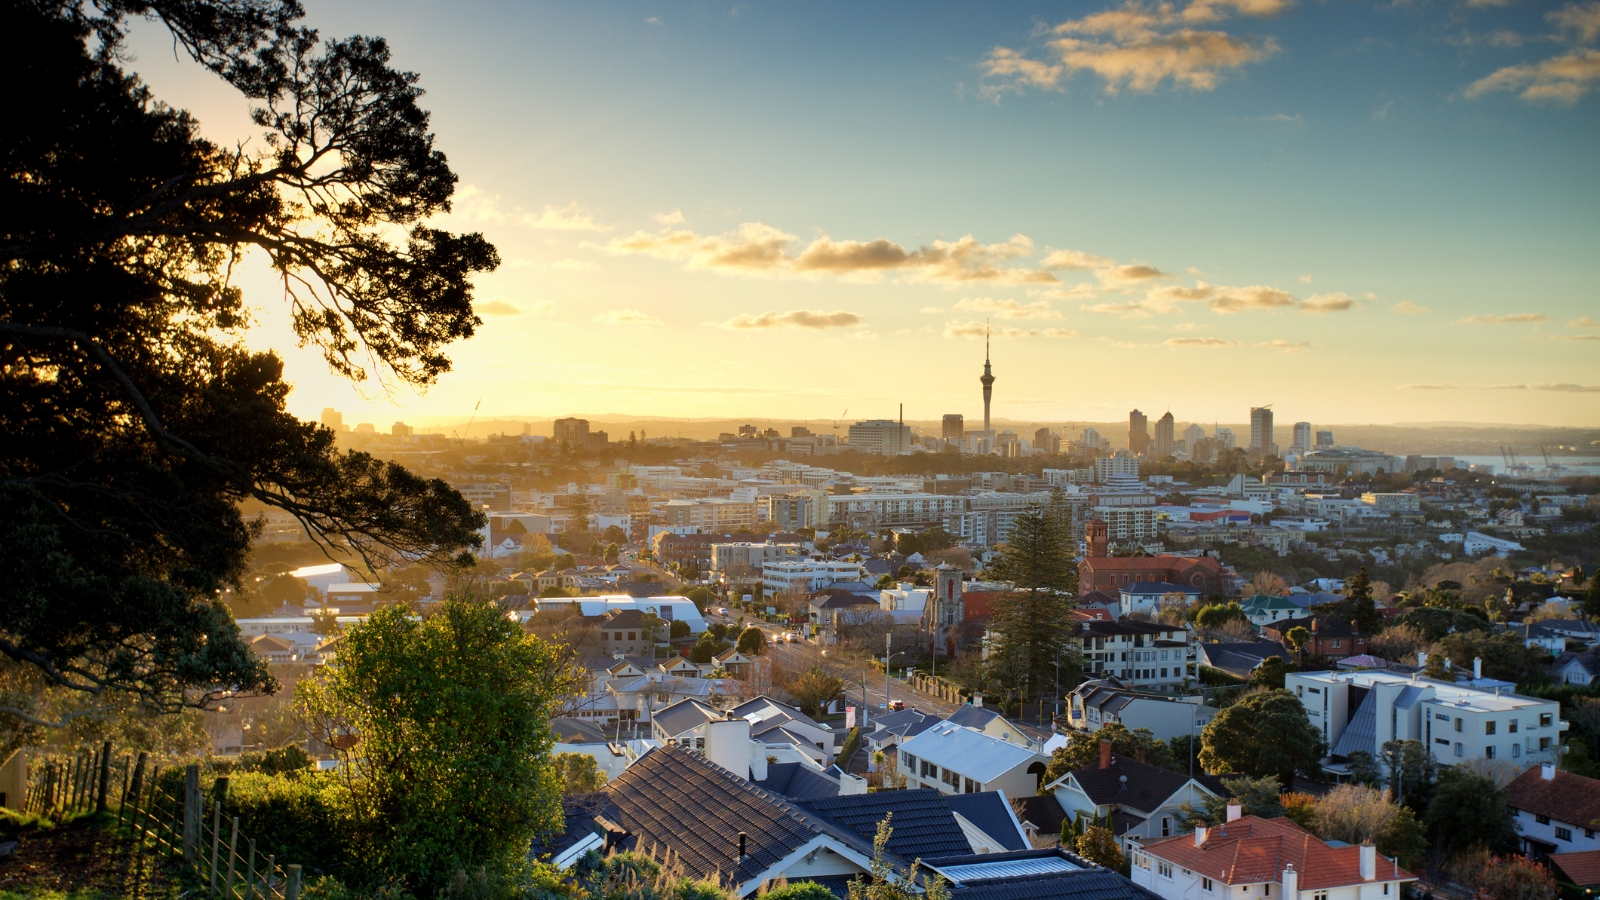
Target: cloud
{"x": 1198, "y": 342}
{"x": 931, "y": 309}
{"x": 1287, "y": 347}
{"x": 1576, "y": 337}
{"x": 1137, "y": 47}
{"x": 1321, "y": 303}
{"x": 1128, "y": 274}
{"x": 975, "y": 330}
{"x": 626, "y": 317}
{"x": 1582, "y": 21}
{"x": 1240, "y": 299}
{"x": 571, "y": 217}
{"x": 575, "y": 265}
{"x": 1557, "y": 387}
{"x": 759, "y": 248}
{"x": 1074, "y": 260}
{"x": 1407, "y": 308}
{"x": 1305, "y": 279}
{"x": 1562, "y": 80}
{"x": 1009, "y": 309}
{"x": 497, "y": 308}
{"x": 1512, "y": 319}
{"x": 476, "y": 205}
{"x": 672, "y": 218}
{"x": 814, "y": 319}
{"x": 1132, "y": 309}
{"x": 1583, "y": 322}
{"x": 1186, "y": 326}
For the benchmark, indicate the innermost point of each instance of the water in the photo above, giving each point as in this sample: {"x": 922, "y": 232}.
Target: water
{"x": 1575, "y": 465}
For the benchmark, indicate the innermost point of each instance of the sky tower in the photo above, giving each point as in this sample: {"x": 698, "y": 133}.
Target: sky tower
{"x": 987, "y": 380}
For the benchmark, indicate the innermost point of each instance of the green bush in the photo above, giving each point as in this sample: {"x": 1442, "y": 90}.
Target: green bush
{"x": 301, "y": 818}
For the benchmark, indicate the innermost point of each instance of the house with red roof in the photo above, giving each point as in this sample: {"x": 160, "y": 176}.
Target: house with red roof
{"x": 1250, "y": 857}
{"x": 1557, "y": 812}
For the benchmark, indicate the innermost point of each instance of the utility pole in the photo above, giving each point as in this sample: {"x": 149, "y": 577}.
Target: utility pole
{"x": 887, "y": 640}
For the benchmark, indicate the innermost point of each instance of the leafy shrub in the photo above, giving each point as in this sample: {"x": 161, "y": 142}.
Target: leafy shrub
{"x": 301, "y": 818}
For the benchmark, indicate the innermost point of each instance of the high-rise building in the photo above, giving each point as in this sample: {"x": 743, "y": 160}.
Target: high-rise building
{"x": 332, "y": 419}
{"x": 1192, "y": 436}
{"x": 573, "y": 432}
{"x": 401, "y": 430}
{"x": 885, "y": 437}
{"x": 1302, "y": 436}
{"x": 1225, "y": 439}
{"x": 1138, "y": 432}
{"x": 1324, "y": 439}
{"x": 987, "y": 379}
{"x": 955, "y": 427}
{"x": 799, "y": 431}
{"x": 1121, "y": 465}
{"x": 1046, "y": 442}
{"x": 1165, "y": 443}
{"x": 1261, "y": 430}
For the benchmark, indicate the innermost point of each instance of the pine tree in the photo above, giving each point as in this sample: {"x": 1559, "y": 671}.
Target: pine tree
{"x": 1034, "y": 620}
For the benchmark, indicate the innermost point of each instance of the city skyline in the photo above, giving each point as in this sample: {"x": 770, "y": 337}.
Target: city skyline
{"x": 1386, "y": 194}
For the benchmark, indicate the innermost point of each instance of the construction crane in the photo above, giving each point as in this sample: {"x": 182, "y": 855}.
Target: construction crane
{"x": 462, "y": 436}
{"x": 837, "y": 422}
{"x": 1551, "y": 468}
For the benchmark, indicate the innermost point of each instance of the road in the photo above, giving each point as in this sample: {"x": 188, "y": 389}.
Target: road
{"x": 876, "y": 699}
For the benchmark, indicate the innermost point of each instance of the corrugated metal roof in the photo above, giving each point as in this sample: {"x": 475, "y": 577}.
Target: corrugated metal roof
{"x": 1362, "y": 731}
{"x": 971, "y": 753}
{"x": 1009, "y": 868}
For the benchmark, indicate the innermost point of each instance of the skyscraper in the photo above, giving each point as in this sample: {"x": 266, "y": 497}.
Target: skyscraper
{"x": 1138, "y": 432}
{"x": 955, "y": 427}
{"x": 1046, "y": 442}
{"x": 1192, "y": 436}
{"x": 1302, "y": 436}
{"x": 1324, "y": 439}
{"x": 1165, "y": 444}
{"x": 988, "y": 384}
{"x": 332, "y": 419}
{"x": 1261, "y": 430}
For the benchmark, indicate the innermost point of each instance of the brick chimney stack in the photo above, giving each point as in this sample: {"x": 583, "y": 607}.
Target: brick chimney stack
{"x": 1105, "y": 754}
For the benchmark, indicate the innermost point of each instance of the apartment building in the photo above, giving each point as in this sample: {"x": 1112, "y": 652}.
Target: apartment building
{"x": 709, "y": 513}
{"x": 916, "y": 510}
{"x": 1128, "y": 523}
{"x": 1141, "y": 655}
{"x": 1456, "y": 722}
{"x": 807, "y": 575}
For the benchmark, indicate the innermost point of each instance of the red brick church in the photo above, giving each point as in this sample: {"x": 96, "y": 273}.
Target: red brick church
{"x": 1099, "y": 572}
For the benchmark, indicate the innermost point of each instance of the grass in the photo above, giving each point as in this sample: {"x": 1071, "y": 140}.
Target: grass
{"x": 79, "y": 857}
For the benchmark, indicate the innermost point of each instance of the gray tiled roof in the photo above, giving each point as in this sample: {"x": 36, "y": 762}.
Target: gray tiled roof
{"x": 798, "y": 782}
{"x": 923, "y": 824}
{"x": 990, "y": 814}
{"x": 685, "y": 715}
{"x": 1146, "y": 787}
{"x": 975, "y": 717}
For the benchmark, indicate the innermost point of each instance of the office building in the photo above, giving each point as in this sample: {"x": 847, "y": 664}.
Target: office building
{"x": 1164, "y": 444}
{"x": 955, "y": 427}
{"x": 1093, "y": 442}
{"x": 884, "y": 437}
{"x": 1192, "y": 436}
{"x": 1138, "y": 433}
{"x": 1324, "y": 439}
{"x": 401, "y": 430}
{"x": 800, "y": 431}
{"x": 1225, "y": 438}
{"x": 333, "y": 420}
{"x": 1120, "y": 465}
{"x": 1302, "y": 437}
{"x": 1261, "y": 430}
{"x": 1046, "y": 442}
{"x": 987, "y": 379}
{"x": 572, "y": 432}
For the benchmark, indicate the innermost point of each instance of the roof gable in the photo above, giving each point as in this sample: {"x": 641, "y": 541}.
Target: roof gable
{"x": 1252, "y": 850}
{"x": 1570, "y": 798}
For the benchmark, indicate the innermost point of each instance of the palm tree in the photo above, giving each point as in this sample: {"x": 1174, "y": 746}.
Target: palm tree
{"x": 1297, "y": 637}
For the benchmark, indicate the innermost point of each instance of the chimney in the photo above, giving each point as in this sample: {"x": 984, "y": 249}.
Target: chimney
{"x": 1547, "y": 771}
{"x": 1477, "y": 668}
{"x": 1200, "y": 835}
{"x": 1138, "y": 753}
{"x": 1291, "y": 883}
{"x": 1234, "y": 811}
{"x": 977, "y": 700}
{"x": 742, "y": 838}
{"x": 1422, "y": 659}
{"x": 758, "y": 761}
{"x": 728, "y": 745}
{"x": 1105, "y": 754}
{"x": 850, "y": 785}
{"x": 1369, "y": 862}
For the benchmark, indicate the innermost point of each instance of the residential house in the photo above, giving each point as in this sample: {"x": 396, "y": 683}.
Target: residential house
{"x": 1147, "y": 596}
{"x": 1146, "y": 655}
{"x": 830, "y": 606}
{"x": 736, "y": 664}
{"x": 1264, "y": 609}
{"x": 1251, "y": 857}
{"x": 1556, "y": 811}
{"x": 1099, "y": 702}
{"x": 1330, "y": 637}
{"x": 585, "y": 736}
{"x": 623, "y": 631}
{"x": 1456, "y": 721}
{"x": 1568, "y": 668}
{"x": 1581, "y": 867}
{"x": 1240, "y": 658}
{"x": 958, "y": 760}
{"x": 891, "y": 729}
{"x": 987, "y": 721}
{"x": 1141, "y": 800}
{"x": 765, "y": 714}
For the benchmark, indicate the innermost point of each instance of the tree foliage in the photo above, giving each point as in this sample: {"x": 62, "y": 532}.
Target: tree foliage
{"x": 752, "y": 641}
{"x": 446, "y": 722}
{"x": 881, "y": 883}
{"x": 814, "y": 688}
{"x": 579, "y": 773}
{"x": 1033, "y": 621}
{"x": 1098, "y": 845}
{"x": 134, "y": 418}
{"x": 1513, "y": 877}
{"x": 1266, "y": 733}
{"x": 1258, "y": 797}
{"x": 1469, "y": 810}
{"x": 1082, "y": 750}
{"x": 1356, "y": 605}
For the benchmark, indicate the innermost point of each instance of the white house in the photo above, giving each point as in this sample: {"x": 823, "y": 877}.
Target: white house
{"x": 1475, "y": 544}
{"x": 958, "y": 760}
{"x": 1556, "y": 811}
{"x": 1143, "y": 801}
{"x": 1249, "y": 857}
{"x": 1100, "y": 702}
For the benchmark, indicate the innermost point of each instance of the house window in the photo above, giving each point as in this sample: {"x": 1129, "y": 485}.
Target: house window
{"x": 1445, "y": 741}
{"x": 1166, "y": 826}
{"x": 1320, "y": 895}
{"x": 1488, "y": 752}
{"x": 1205, "y": 885}
{"x": 1541, "y": 819}
{"x": 1386, "y": 888}
{"x": 1563, "y": 834}
{"x": 1337, "y": 642}
{"x": 973, "y": 787}
{"x": 1544, "y": 743}
{"x": 1441, "y": 717}
{"x": 1164, "y": 869}
{"x": 1488, "y": 727}
{"x": 1544, "y": 720}
{"x": 1588, "y": 832}
{"x": 1512, "y": 727}
{"x": 909, "y": 762}
{"x": 1458, "y": 724}
{"x": 1459, "y": 751}
{"x": 1516, "y": 749}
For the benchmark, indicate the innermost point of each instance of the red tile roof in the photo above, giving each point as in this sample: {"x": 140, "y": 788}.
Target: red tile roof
{"x": 1252, "y": 850}
{"x": 1582, "y": 867}
{"x": 1571, "y": 798}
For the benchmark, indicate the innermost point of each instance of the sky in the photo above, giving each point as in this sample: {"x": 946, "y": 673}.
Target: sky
{"x": 1354, "y": 211}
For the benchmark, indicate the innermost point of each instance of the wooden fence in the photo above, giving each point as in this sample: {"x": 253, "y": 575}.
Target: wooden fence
{"x": 163, "y": 826}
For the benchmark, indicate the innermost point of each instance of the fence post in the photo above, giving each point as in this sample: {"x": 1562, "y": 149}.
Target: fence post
{"x": 291, "y": 891}
{"x": 191, "y": 811}
{"x": 105, "y": 777}
{"x": 266, "y": 880}
{"x": 138, "y": 784}
{"x": 233, "y": 853}
{"x": 122, "y": 805}
{"x": 216, "y": 842}
{"x": 250, "y": 873}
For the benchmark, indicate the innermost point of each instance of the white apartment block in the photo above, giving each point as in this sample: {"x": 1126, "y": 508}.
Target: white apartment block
{"x": 1457, "y": 723}
{"x": 1129, "y": 523}
{"x": 710, "y": 513}
{"x": 1392, "y": 502}
{"x": 887, "y": 510}
{"x": 1121, "y": 464}
{"x": 807, "y": 575}
{"x": 881, "y": 436}
{"x": 1140, "y": 655}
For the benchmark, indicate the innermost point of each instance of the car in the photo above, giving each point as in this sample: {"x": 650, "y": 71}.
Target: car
{"x": 897, "y": 705}
{"x": 788, "y": 637}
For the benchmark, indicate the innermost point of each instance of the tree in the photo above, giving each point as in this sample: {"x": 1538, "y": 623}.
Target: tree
{"x": 707, "y": 648}
{"x": 679, "y": 629}
{"x": 579, "y": 773}
{"x": 537, "y": 554}
{"x": 1099, "y": 846}
{"x": 1082, "y": 750}
{"x": 450, "y": 770}
{"x": 813, "y": 689}
{"x": 1266, "y": 733}
{"x": 1591, "y": 599}
{"x": 1218, "y": 615}
{"x": 1258, "y": 797}
{"x": 1356, "y": 605}
{"x": 1298, "y": 637}
{"x": 1269, "y": 583}
{"x": 1513, "y": 877}
{"x": 752, "y": 641}
{"x": 1412, "y": 771}
{"x": 1353, "y": 814}
{"x": 579, "y": 506}
{"x": 1033, "y": 621}
{"x": 1270, "y": 673}
{"x": 1505, "y": 656}
{"x": 136, "y": 419}
{"x": 1469, "y": 810}
{"x": 1364, "y": 769}
{"x": 881, "y": 883}
{"x": 1435, "y": 622}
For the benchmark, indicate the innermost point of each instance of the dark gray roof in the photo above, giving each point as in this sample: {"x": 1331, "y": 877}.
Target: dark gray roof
{"x": 973, "y": 716}
{"x": 577, "y": 731}
{"x": 1361, "y": 733}
{"x": 784, "y": 710}
{"x": 798, "y": 782}
{"x": 1043, "y": 811}
{"x": 1146, "y": 786}
{"x": 684, "y": 716}
{"x": 990, "y": 814}
{"x": 923, "y": 824}
{"x": 1242, "y": 658}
